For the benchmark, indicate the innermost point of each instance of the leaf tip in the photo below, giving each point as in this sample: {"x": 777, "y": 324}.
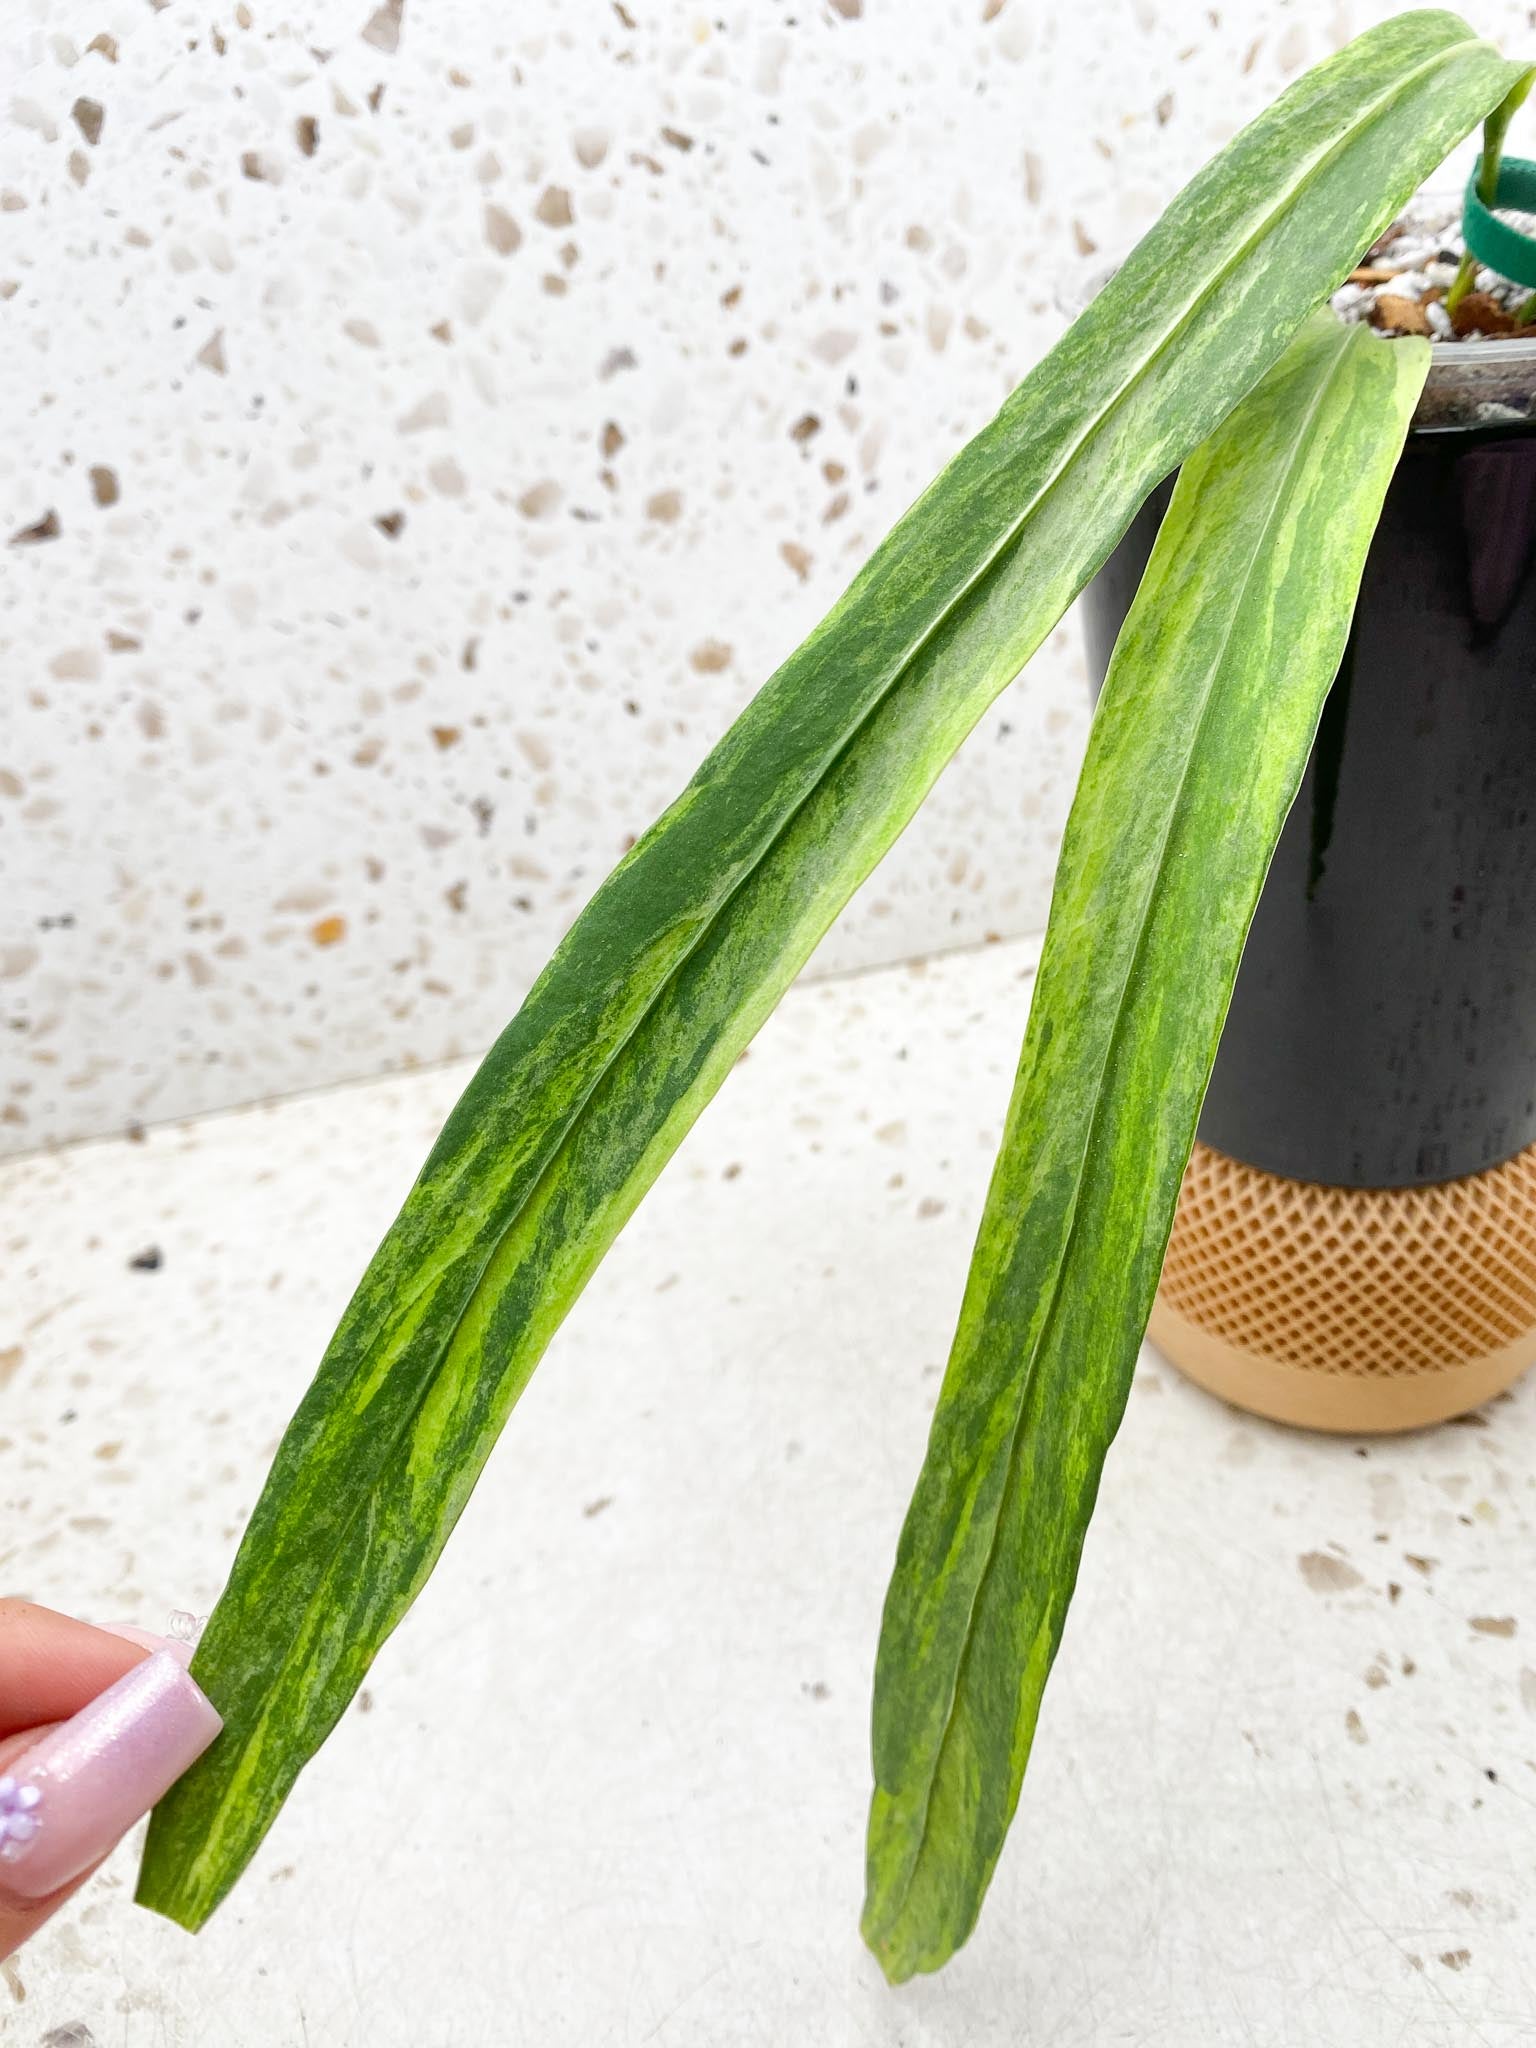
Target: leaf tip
{"x": 170, "y": 1903}
{"x": 905, "y": 1932}
{"x": 897, "y": 1946}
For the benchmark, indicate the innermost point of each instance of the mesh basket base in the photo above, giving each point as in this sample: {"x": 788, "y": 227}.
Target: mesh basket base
{"x": 1350, "y": 1309}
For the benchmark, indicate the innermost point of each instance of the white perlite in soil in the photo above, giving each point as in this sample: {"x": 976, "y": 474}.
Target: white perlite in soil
{"x": 1400, "y": 285}
{"x": 1399, "y": 288}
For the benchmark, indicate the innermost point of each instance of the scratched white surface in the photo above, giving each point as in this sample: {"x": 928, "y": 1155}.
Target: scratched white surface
{"x": 609, "y": 1784}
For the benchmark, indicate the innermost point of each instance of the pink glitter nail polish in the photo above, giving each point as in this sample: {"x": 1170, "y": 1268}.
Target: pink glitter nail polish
{"x": 67, "y": 1800}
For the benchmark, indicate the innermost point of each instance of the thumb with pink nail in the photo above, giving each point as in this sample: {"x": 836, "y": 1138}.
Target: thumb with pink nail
{"x": 96, "y": 1723}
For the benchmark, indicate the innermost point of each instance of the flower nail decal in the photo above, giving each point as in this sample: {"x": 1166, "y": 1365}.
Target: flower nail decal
{"x": 18, "y": 1818}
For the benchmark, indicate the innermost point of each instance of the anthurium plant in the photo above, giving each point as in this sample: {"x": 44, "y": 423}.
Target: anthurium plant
{"x": 1206, "y": 353}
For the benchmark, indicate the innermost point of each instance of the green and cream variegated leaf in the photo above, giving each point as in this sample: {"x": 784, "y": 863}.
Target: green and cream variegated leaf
{"x": 688, "y": 945}
{"x": 1197, "y": 748}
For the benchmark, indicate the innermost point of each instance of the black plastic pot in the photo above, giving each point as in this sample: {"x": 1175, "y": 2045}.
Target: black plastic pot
{"x": 1383, "y": 1029}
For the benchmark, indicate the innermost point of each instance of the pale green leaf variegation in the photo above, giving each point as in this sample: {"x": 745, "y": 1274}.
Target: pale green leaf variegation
{"x": 687, "y": 946}
{"x": 1197, "y": 748}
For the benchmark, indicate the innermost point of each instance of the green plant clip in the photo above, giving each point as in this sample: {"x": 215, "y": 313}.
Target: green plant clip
{"x": 1506, "y": 249}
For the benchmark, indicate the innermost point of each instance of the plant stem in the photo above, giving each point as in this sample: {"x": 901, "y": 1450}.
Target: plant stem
{"x": 1461, "y": 283}
{"x": 1495, "y": 128}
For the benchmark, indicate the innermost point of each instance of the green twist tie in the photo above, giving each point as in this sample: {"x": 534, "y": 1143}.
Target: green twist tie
{"x": 1492, "y": 241}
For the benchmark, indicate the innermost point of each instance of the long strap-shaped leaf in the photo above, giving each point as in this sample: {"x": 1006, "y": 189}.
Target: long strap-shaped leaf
{"x": 687, "y": 946}
{"x": 1199, "y": 743}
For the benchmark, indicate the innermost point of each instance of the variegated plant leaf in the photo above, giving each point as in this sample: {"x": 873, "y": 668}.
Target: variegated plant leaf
{"x": 1198, "y": 745}
{"x": 685, "y": 949}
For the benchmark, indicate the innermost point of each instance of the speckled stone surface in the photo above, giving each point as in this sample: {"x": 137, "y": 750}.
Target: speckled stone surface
{"x": 425, "y": 426}
{"x": 606, "y": 1784}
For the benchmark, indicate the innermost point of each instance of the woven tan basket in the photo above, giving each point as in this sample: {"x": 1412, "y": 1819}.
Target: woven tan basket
{"x": 1353, "y": 1309}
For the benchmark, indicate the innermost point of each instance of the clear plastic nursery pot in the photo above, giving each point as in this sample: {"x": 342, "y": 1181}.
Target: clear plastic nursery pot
{"x": 1355, "y": 1246}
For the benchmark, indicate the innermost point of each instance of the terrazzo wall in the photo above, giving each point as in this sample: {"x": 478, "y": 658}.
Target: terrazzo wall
{"x": 424, "y": 428}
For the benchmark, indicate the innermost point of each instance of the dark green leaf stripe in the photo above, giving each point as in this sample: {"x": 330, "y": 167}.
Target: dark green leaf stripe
{"x": 687, "y": 946}
{"x": 1197, "y": 748}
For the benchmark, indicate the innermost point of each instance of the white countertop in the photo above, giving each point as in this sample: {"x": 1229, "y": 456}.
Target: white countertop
{"x": 607, "y": 1783}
